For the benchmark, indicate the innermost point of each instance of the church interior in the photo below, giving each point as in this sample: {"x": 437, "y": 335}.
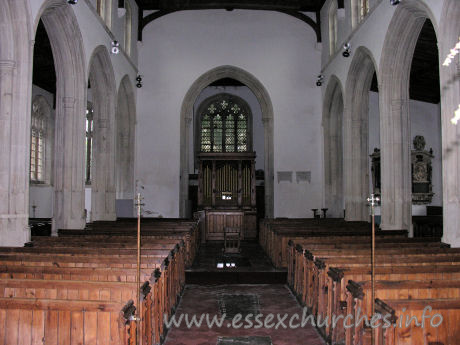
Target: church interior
{"x": 291, "y": 167}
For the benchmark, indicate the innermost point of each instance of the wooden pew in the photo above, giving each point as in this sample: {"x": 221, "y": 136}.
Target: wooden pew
{"x": 165, "y": 282}
{"x": 359, "y": 298}
{"x": 324, "y": 295}
{"x": 30, "y": 321}
{"x": 447, "y": 333}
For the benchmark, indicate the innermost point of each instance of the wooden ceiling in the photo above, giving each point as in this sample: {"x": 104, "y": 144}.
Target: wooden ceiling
{"x": 44, "y": 74}
{"x": 271, "y": 5}
{"x": 293, "y": 8}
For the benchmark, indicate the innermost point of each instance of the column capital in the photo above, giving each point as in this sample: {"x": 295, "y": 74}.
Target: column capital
{"x": 7, "y": 64}
{"x": 69, "y": 102}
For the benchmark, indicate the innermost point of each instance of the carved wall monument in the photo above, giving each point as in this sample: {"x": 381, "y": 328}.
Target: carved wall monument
{"x": 421, "y": 168}
{"x": 421, "y": 172}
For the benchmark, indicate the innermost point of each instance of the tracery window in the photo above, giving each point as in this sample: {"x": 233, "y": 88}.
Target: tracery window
{"x": 128, "y": 27}
{"x": 332, "y": 27}
{"x": 89, "y": 141}
{"x": 104, "y": 9}
{"x": 37, "y": 144}
{"x": 224, "y": 125}
{"x": 363, "y": 9}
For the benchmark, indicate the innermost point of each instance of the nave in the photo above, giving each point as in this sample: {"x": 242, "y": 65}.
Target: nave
{"x": 81, "y": 287}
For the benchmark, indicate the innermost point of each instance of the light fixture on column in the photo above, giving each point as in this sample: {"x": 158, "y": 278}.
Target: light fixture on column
{"x": 72, "y": 2}
{"x": 395, "y": 2}
{"x": 346, "y": 50}
{"x": 319, "y": 80}
{"x": 115, "y": 47}
{"x": 139, "y": 81}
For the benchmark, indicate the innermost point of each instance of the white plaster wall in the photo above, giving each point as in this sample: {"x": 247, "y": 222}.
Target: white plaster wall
{"x": 257, "y": 126}
{"x": 425, "y": 120}
{"x": 277, "y": 49}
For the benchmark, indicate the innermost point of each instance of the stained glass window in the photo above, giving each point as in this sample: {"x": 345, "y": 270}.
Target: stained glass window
{"x": 37, "y": 144}
{"x": 224, "y": 125}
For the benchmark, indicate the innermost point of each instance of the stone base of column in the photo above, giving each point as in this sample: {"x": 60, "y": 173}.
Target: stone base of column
{"x": 451, "y": 221}
{"x": 14, "y": 230}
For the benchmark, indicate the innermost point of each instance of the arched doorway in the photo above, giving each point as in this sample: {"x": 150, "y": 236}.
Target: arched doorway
{"x": 267, "y": 117}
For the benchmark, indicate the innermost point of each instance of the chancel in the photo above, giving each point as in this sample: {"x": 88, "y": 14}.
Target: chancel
{"x": 162, "y": 158}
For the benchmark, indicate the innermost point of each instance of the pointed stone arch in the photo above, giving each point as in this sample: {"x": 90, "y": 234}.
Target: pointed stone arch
{"x": 187, "y": 116}
{"x": 394, "y": 76}
{"x": 15, "y": 100}
{"x": 125, "y": 139}
{"x": 69, "y": 57}
{"x": 356, "y": 134}
{"x": 103, "y": 88}
{"x": 333, "y": 147}
{"x": 450, "y": 100}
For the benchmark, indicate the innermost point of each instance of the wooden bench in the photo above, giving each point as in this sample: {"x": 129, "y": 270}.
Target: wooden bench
{"x": 447, "y": 333}
{"x": 359, "y": 301}
{"x": 88, "y": 267}
{"x": 324, "y": 295}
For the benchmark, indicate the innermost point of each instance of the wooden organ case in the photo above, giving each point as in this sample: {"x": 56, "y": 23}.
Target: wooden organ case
{"x": 227, "y": 193}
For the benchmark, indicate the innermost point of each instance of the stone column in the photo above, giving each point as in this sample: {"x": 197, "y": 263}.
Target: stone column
{"x": 450, "y": 102}
{"x": 14, "y": 179}
{"x": 396, "y": 200}
{"x": 102, "y": 182}
{"x": 69, "y": 192}
{"x": 357, "y": 170}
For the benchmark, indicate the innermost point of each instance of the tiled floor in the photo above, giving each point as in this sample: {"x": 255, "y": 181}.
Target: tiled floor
{"x": 272, "y": 299}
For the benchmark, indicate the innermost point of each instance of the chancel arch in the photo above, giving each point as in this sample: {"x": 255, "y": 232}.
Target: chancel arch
{"x": 394, "y": 76}
{"x": 187, "y": 118}
{"x": 356, "y": 135}
{"x": 125, "y": 139}
{"x": 333, "y": 147}
{"x": 103, "y": 92}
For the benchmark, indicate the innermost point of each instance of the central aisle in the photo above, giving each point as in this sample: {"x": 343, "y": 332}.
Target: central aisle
{"x": 260, "y": 300}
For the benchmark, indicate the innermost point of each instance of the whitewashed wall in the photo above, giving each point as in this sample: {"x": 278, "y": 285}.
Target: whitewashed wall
{"x": 277, "y": 49}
